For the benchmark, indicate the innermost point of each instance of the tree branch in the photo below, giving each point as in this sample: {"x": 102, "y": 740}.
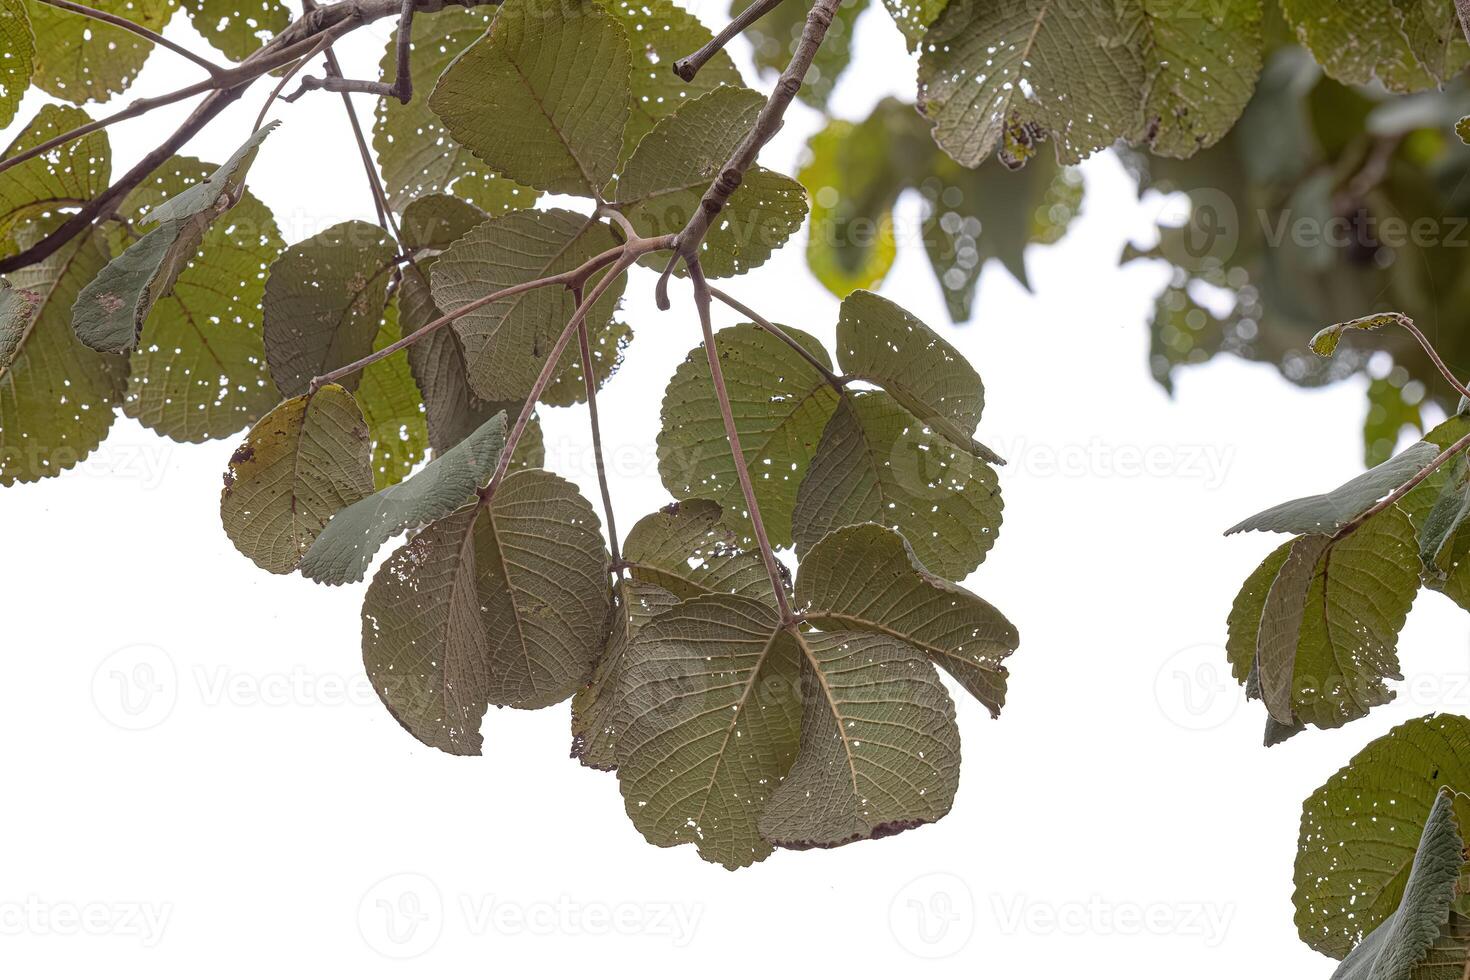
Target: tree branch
{"x": 687, "y": 68}
{"x": 122, "y": 22}
{"x": 590, "y": 377}
{"x": 1459, "y": 446}
{"x": 402, "y": 85}
{"x": 296, "y": 66}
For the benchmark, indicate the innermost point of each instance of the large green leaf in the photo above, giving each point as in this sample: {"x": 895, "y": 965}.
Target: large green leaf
{"x": 674, "y": 166}
{"x": 434, "y": 221}
{"x": 416, "y": 153}
{"x": 19, "y": 60}
{"x": 543, "y": 96}
{"x": 345, "y": 548}
{"x": 56, "y": 395}
{"x": 500, "y": 603}
{"x": 393, "y": 410}
{"x": 1443, "y": 542}
{"x": 876, "y": 462}
{"x": 237, "y": 28}
{"x": 1361, "y": 829}
{"x": 307, "y": 459}
{"x": 687, "y": 550}
{"x": 506, "y": 343}
{"x": 780, "y": 404}
{"x": 68, "y": 176}
{"x": 324, "y": 303}
{"x": 1005, "y": 74}
{"x": 866, "y": 577}
{"x": 1404, "y": 44}
{"x": 80, "y": 59}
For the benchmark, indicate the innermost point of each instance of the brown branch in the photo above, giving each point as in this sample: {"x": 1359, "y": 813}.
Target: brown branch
{"x": 1459, "y": 446}
{"x": 767, "y": 123}
{"x": 290, "y": 73}
{"x": 833, "y": 379}
{"x": 742, "y": 471}
{"x": 590, "y": 377}
{"x": 1444, "y": 369}
{"x": 687, "y": 68}
{"x": 138, "y": 108}
{"x": 122, "y": 22}
{"x": 375, "y": 185}
{"x": 1462, "y": 7}
{"x": 402, "y": 86}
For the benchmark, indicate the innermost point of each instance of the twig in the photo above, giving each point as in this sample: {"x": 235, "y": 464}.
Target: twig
{"x": 742, "y": 471}
{"x": 297, "y": 66}
{"x": 590, "y": 378}
{"x": 833, "y": 379}
{"x": 1459, "y": 446}
{"x": 122, "y": 22}
{"x": 686, "y": 243}
{"x": 402, "y": 85}
{"x": 380, "y": 198}
{"x": 1462, "y": 7}
{"x": 1439, "y": 363}
{"x": 687, "y": 68}
{"x": 138, "y": 108}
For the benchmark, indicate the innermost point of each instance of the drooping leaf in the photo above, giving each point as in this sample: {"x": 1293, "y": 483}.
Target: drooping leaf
{"x": 237, "y": 28}
{"x": 345, "y": 548}
{"x": 324, "y": 303}
{"x": 876, "y": 462}
{"x": 687, "y": 550}
{"x": 506, "y": 343}
{"x": 393, "y": 410}
{"x": 19, "y": 60}
{"x": 503, "y": 603}
{"x": 80, "y": 59}
{"x": 780, "y": 404}
{"x": 1405, "y": 45}
{"x": 66, "y": 177}
{"x": 303, "y": 462}
{"x": 110, "y": 311}
{"x": 674, "y": 166}
{"x": 1361, "y": 829}
{"x": 543, "y": 97}
{"x": 434, "y": 221}
{"x": 1006, "y": 74}
{"x": 774, "y": 38}
{"x": 56, "y": 395}
{"x": 417, "y": 154}
{"x": 867, "y": 578}
{"x": 1443, "y": 543}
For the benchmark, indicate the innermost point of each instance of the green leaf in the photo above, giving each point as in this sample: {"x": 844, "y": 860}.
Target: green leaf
{"x": 878, "y": 463}
{"x": 853, "y": 185}
{"x": 1405, "y": 940}
{"x": 19, "y": 62}
{"x": 500, "y": 603}
{"x": 520, "y": 98}
{"x": 1005, "y": 74}
{"x": 302, "y": 463}
{"x": 434, "y": 221}
{"x": 1391, "y": 409}
{"x": 346, "y": 546}
{"x": 913, "y": 17}
{"x": 109, "y": 313}
{"x": 393, "y": 411}
{"x": 879, "y": 752}
{"x": 1402, "y": 44}
{"x": 781, "y": 405}
{"x": 774, "y": 38}
{"x": 416, "y": 153}
{"x": 56, "y": 395}
{"x": 687, "y": 550}
{"x": 1324, "y": 341}
{"x": 598, "y": 710}
{"x": 713, "y": 723}
{"x": 237, "y": 28}
{"x": 1360, "y": 831}
{"x": 675, "y": 164}
{"x": 80, "y": 59}
{"x": 506, "y": 342}
{"x": 324, "y": 303}
{"x": 867, "y": 578}
{"x": 68, "y": 176}
{"x": 1443, "y": 543}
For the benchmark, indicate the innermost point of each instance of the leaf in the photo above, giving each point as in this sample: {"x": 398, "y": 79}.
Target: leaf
{"x": 853, "y": 186}
{"x": 80, "y": 59}
{"x": 1361, "y": 829}
{"x": 867, "y": 578}
{"x": 913, "y": 17}
{"x": 1324, "y": 341}
{"x": 1360, "y": 41}
{"x": 1392, "y": 408}
{"x": 434, "y": 221}
{"x": 19, "y": 63}
{"x": 503, "y": 602}
{"x": 56, "y": 396}
{"x": 416, "y": 153}
{"x": 687, "y": 550}
{"x": 1325, "y": 513}
{"x": 506, "y": 342}
{"x": 392, "y": 410}
{"x": 598, "y": 711}
{"x": 1404, "y": 941}
{"x": 1282, "y": 618}
{"x": 1006, "y": 74}
{"x": 69, "y": 175}
{"x": 774, "y": 39}
{"x": 878, "y": 463}
{"x": 879, "y": 753}
{"x": 109, "y": 313}
{"x": 302, "y": 463}
{"x": 324, "y": 303}
{"x": 713, "y": 725}
{"x": 345, "y": 548}
{"x": 237, "y": 28}
{"x": 781, "y": 405}
{"x": 543, "y": 97}
{"x": 1443, "y": 545}
{"x": 674, "y": 165}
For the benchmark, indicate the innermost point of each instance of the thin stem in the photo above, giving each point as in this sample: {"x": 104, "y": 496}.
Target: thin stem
{"x": 1439, "y": 363}
{"x": 687, "y": 68}
{"x": 833, "y": 379}
{"x": 1459, "y": 446}
{"x": 380, "y": 198}
{"x": 742, "y": 471}
{"x": 138, "y": 108}
{"x": 591, "y": 380}
{"x": 138, "y": 29}
{"x": 620, "y": 219}
{"x": 297, "y": 66}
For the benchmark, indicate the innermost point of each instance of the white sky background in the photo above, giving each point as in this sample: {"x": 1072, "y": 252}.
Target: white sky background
{"x": 1120, "y": 818}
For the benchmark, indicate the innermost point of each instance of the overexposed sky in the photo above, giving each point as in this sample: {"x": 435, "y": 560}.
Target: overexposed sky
{"x": 199, "y": 770}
